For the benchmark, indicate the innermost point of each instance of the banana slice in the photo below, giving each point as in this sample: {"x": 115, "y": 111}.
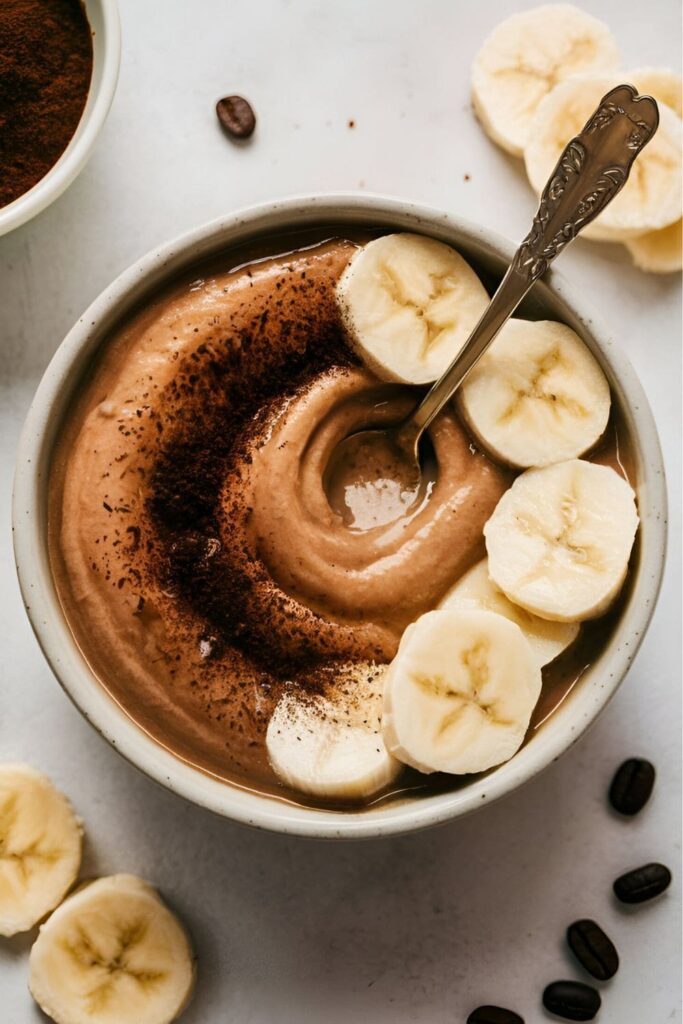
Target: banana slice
{"x": 333, "y": 749}
{"x": 476, "y": 590}
{"x": 660, "y": 252}
{"x": 537, "y": 396}
{"x": 650, "y": 199}
{"x": 460, "y": 692}
{"x": 560, "y": 538}
{"x": 113, "y": 953}
{"x": 663, "y": 84}
{"x": 525, "y": 57}
{"x": 40, "y": 847}
{"x": 409, "y": 304}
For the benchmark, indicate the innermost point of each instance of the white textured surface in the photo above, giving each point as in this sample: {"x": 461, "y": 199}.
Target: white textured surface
{"x": 421, "y": 928}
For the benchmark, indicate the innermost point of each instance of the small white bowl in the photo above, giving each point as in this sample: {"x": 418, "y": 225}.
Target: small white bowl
{"x": 103, "y": 17}
{"x": 490, "y": 252}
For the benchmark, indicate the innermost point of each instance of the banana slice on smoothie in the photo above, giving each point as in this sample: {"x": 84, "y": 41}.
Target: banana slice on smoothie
{"x": 460, "y": 692}
{"x": 40, "y": 847}
{"x": 476, "y": 590}
{"x": 525, "y": 57}
{"x": 560, "y": 539}
{"x": 650, "y": 199}
{"x": 112, "y": 953}
{"x": 537, "y": 395}
{"x": 408, "y": 304}
{"x": 333, "y": 748}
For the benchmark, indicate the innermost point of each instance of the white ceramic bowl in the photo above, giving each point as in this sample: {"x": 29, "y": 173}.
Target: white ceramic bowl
{"x": 103, "y": 17}
{"x": 490, "y": 252}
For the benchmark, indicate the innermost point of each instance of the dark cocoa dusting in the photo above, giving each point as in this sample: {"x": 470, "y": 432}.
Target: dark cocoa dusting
{"x": 213, "y": 411}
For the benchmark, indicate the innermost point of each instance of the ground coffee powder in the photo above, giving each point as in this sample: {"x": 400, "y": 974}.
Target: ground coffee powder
{"x": 45, "y": 71}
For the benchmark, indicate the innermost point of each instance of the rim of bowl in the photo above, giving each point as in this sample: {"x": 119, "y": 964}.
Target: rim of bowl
{"x": 229, "y": 800}
{"x": 103, "y": 19}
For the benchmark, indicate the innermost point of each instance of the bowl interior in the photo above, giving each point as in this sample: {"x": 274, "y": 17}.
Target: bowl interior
{"x": 104, "y": 24}
{"x": 490, "y": 256}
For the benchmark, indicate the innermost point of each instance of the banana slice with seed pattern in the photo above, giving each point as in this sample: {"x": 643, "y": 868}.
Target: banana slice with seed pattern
{"x": 650, "y": 199}
{"x": 476, "y": 590}
{"x": 333, "y": 748}
{"x": 525, "y": 57}
{"x": 560, "y": 539}
{"x": 113, "y": 953}
{"x": 537, "y": 395}
{"x": 40, "y": 847}
{"x": 460, "y": 692}
{"x": 408, "y": 304}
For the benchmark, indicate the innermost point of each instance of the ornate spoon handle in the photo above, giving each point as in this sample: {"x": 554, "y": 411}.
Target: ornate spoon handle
{"x": 593, "y": 168}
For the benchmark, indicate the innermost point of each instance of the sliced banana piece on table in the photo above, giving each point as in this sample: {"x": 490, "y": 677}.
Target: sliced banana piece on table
{"x": 537, "y": 395}
{"x": 661, "y": 83}
{"x": 525, "y": 57}
{"x": 476, "y": 590}
{"x": 560, "y": 538}
{"x": 659, "y": 252}
{"x": 650, "y": 199}
{"x": 460, "y": 691}
{"x": 409, "y": 304}
{"x": 40, "y": 847}
{"x": 113, "y": 953}
{"x": 333, "y": 749}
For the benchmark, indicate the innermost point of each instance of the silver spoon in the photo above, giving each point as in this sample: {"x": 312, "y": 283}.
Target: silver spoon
{"x": 593, "y": 168}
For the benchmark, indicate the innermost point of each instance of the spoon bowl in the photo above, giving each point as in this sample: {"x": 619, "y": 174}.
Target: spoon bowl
{"x": 374, "y": 478}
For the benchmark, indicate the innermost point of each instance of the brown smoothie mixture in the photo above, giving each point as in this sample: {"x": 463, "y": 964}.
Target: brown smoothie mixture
{"x": 196, "y": 555}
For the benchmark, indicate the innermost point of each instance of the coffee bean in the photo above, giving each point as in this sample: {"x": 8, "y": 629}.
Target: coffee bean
{"x": 571, "y": 1000}
{"x": 494, "y": 1015}
{"x": 632, "y": 786}
{"x": 593, "y": 949}
{"x": 642, "y": 884}
{"x": 236, "y": 116}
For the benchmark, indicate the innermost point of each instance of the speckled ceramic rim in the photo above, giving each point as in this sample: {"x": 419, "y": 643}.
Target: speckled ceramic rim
{"x": 103, "y": 17}
{"x": 52, "y": 400}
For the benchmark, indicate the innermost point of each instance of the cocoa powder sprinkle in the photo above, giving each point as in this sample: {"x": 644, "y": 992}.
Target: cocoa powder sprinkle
{"x": 45, "y": 71}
